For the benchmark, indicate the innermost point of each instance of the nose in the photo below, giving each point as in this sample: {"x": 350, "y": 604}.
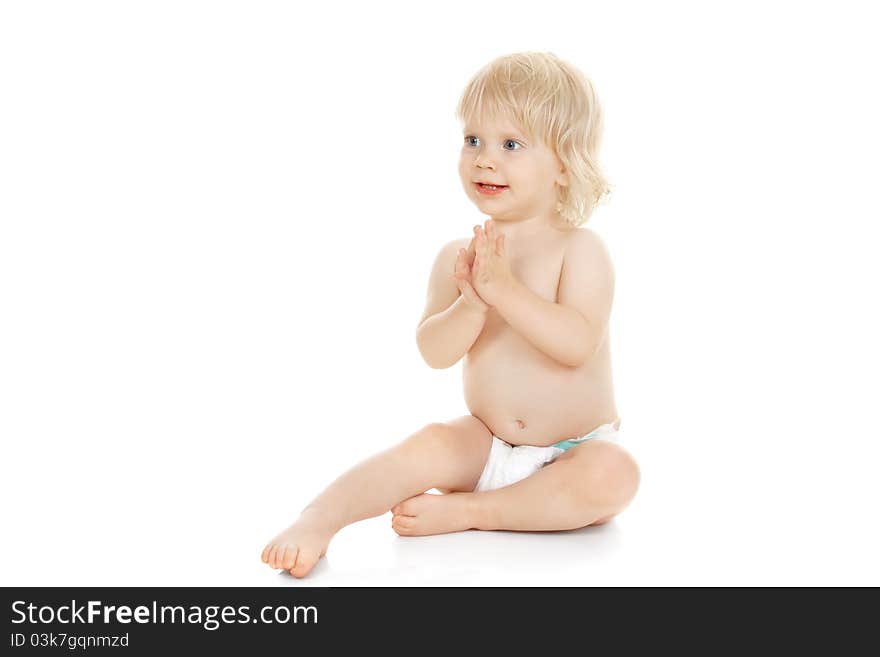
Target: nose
{"x": 482, "y": 162}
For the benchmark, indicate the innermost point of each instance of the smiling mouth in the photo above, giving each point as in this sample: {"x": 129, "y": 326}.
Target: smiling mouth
{"x": 490, "y": 188}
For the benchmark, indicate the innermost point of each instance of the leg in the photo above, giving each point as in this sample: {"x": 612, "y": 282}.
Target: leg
{"x": 450, "y": 455}
{"x": 587, "y": 485}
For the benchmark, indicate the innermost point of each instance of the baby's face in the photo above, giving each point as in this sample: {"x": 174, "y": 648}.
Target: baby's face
{"x": 496, "y": 151}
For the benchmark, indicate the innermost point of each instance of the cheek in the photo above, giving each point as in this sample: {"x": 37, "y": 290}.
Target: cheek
{"x": 464, "y": 168}
{"x": 537, "y": 179}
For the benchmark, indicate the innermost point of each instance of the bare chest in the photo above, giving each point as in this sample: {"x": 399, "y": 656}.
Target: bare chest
{"x": 539, "y": 270}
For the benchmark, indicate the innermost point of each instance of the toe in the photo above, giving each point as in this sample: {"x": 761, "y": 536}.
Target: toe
{"x": 273, "y": 557}
{"x": 305, "y": 561}
{"x": 407, "y": 507}
{"x": 289, "y": 557}
{"x": 401, "y": 530}
{"x": 265, "y": 555}
{"x": 402, "y": 524}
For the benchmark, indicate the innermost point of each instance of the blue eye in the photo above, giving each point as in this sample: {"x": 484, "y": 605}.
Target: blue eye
{"x": 467, "y": 140}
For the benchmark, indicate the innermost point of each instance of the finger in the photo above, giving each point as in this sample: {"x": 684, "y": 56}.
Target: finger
{"x": 488, "y": 246}
{"x": 465, "y": 258}
{"x": 499, "y": 245}
{"x": 471, "y": 252}
{"x": 481, "y": 239}
{"x": 465, "y": 261}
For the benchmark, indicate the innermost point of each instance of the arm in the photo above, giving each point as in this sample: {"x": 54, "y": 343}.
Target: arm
{"x": 449, "y": 326}
{"x": 447, "y": 336}
{"x": 559, "y": 332}
{"x": 570, "y": 331}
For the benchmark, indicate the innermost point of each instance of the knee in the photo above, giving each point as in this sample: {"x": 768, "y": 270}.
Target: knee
{"x": 610, "y": 479}
{"x": 620, "y": 478}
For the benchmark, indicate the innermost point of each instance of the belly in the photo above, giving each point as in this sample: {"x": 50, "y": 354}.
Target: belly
{"x": 527, "y": 398}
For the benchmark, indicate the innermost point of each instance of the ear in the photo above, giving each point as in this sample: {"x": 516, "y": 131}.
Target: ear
{"x": 563, "y": 179}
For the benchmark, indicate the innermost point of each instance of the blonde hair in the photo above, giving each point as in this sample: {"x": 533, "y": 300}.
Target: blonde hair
{"x": 552, "y": 100}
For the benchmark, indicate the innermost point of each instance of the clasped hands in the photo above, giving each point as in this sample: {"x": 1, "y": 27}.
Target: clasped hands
{"x": 482, "y": 271}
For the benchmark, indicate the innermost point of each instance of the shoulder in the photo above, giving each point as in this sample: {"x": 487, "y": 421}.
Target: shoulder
{"x": 448, "y": 252}
{"x": 444, "y": 262}
{"x": 585, "y": 251}
{"x": 454, "y": 245}
{"x": 587, "y": 279}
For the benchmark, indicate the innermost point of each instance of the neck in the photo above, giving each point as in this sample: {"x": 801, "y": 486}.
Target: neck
{"x": 521, "y": 230}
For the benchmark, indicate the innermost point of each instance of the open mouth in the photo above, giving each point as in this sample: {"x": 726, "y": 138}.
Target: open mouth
{"x": 490, "y": 189}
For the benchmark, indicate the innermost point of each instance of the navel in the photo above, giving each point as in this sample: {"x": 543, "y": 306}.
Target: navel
{"x": 521, "y": 424}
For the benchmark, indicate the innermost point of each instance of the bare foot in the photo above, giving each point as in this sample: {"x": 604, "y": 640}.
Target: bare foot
{"x": 433, "y": 514}
{"x": 299, "y": 547}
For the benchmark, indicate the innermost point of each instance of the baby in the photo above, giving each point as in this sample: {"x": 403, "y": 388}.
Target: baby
{"x": 526, "y": 302}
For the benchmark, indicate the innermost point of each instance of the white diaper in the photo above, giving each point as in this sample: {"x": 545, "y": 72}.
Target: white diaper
{"x": 508, "y": 464}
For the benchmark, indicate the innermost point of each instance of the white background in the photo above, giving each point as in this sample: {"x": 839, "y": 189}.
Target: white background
{"x": 217, "y": 221}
